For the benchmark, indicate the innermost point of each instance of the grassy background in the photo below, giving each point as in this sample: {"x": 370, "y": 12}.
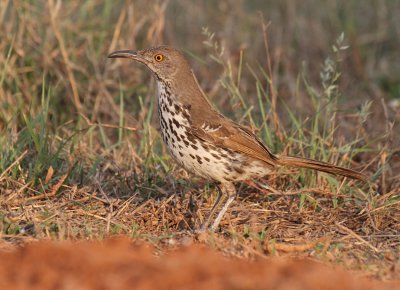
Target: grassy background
{"x": 81, "y": 156}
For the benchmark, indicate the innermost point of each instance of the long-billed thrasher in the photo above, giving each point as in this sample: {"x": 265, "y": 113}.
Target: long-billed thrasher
{"x": 202, "y": 140}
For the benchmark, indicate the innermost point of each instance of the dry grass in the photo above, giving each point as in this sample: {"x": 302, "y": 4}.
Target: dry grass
{"x": 81, "y": 157}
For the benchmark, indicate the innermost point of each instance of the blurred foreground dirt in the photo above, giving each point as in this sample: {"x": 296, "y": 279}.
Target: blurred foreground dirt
{"x": 118, "y": 264}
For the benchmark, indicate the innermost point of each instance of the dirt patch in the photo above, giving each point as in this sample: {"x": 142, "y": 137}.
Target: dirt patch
{"x": 118, "y": 264}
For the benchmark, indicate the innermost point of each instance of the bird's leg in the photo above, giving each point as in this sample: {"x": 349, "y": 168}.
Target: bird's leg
{"x": 229, "y": 189}
{"x": 215, "y": 206}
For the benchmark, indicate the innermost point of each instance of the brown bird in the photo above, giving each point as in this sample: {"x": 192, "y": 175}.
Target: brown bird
{"x": 202, "y": 140}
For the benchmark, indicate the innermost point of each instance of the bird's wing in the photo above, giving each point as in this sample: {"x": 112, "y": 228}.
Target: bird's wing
{"x": 229, "y": 135}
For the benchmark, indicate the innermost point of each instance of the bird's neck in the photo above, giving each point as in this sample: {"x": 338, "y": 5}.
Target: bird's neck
{"x": 184, "y": 90}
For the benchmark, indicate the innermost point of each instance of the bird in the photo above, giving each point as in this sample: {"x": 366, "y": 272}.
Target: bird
{"x": 205, "y": 142}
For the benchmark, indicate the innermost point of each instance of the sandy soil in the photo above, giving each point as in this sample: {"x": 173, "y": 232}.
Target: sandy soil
{"x": 118, "y": 264}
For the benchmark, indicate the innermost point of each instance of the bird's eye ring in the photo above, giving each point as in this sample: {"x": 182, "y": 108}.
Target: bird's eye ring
{"x": 159, "y": 57}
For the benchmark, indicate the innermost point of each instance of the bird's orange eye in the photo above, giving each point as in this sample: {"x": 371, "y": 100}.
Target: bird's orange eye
{"x": 159, "y": 57}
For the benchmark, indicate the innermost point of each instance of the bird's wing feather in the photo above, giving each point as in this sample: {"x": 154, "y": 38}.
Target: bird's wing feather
{"x": 232, "y": 136}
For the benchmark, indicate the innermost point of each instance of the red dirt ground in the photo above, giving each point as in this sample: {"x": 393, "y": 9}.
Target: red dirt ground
{"x": 118, "y": 264}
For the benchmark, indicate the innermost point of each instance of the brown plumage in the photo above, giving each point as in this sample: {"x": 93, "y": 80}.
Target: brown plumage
{"x": 204, "y": 141}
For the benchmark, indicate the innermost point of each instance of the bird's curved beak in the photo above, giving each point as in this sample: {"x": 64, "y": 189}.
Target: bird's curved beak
{"x": 133, "y": 54}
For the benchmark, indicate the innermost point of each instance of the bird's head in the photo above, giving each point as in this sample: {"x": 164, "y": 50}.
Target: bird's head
{"x": 163, "y": 61}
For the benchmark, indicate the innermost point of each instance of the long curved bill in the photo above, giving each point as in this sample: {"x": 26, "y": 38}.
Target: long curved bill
{"x": 133, "y": 54}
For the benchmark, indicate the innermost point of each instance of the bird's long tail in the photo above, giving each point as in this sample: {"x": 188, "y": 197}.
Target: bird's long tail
{"x": 320, "y": 166}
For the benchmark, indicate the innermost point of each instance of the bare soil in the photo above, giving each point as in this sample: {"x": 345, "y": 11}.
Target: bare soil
{"x": 121, "y": 264}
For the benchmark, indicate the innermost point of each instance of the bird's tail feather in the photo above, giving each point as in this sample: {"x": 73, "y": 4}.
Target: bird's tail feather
{"x": 320, "y": 166}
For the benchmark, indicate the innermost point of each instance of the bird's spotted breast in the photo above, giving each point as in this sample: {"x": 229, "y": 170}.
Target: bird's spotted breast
{"x": 194, "y": 154}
